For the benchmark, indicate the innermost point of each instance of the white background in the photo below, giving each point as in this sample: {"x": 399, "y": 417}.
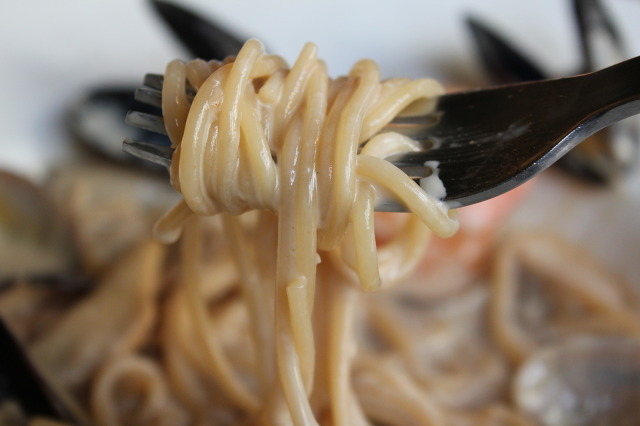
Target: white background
{"x": 50, "y": 51}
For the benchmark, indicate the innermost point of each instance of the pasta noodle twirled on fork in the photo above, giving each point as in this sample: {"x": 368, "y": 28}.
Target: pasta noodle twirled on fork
{"x": 296, "y": 144}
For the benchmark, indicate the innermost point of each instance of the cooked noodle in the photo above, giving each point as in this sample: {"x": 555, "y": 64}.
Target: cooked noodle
{"x": 265, "y": 311}
{"x": 295, "y": 144}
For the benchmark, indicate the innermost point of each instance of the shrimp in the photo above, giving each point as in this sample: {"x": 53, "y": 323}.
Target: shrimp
{"x": 457, "y": 261}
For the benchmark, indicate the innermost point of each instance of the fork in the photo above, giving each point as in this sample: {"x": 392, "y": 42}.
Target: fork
{"x": 480, "y": 143}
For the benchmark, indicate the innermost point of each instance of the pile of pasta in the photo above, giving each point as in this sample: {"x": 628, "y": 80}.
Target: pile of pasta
{"x": 278, "y": 297}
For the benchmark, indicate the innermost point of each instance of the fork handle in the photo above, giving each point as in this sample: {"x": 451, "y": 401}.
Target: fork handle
{"x": 611, "y": 94}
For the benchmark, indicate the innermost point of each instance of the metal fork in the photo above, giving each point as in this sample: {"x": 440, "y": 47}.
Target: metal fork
{"x": 480, "y": 143}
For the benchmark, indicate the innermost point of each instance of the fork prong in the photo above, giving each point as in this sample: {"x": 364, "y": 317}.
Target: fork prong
{"x": 149, "y": 96}
{"x": 146, "y": 121}
{"x": 153, "y": 81}
{"x": 148, "y": 151}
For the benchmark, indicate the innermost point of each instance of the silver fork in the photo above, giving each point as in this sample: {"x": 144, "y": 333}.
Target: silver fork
{"x": 480, "y": 143}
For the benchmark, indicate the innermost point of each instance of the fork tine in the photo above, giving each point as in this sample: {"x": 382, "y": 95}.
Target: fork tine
{"x": 148, "y": 151}
{"x": 146, "y": 121}
{"x": 149, "y": 96}
{"x": 153, "y": 81}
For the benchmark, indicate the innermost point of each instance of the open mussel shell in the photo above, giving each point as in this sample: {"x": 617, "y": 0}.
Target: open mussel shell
{"x": 34, "y": 238}
{"x": 586, "y": 381}
{"x": 22, "y": 386}
{"x": 202, "y": 37}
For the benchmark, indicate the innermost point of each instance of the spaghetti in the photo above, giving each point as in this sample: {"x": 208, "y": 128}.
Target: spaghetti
{"x": 295, "y": 144}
